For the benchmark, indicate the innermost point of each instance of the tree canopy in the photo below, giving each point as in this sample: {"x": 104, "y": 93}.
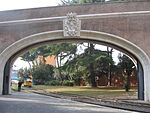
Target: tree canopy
{"x": 89, "y": 65}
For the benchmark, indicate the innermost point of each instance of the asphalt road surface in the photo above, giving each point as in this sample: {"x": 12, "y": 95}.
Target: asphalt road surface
{"x": 21, "y": 102}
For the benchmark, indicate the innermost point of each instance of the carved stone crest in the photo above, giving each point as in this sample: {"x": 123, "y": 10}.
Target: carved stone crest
{"x": 71, "y": 25}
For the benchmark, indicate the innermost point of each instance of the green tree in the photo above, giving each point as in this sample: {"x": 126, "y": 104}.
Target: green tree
{"x": 91, "y": 63}
{"x": 126, "y": 65}
{"x": 43, "y": 73}
{"x": 62, "y": 52}
{"x": 29, "y": 56}
{"x": 99, "y": 61}
{"x": 84, "y": 63}
{"x": 75, "y": 66}
{"x": 109, "y": 53}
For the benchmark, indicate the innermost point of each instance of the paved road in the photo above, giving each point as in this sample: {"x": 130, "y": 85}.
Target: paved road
{"x": 33, "y": 103}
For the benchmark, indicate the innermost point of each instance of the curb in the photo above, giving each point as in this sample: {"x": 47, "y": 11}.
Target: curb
{"x": 120, "y": 104}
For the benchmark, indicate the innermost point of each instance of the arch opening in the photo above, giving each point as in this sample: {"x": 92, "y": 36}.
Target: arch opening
{"x": 99, "y": 82}
{"x": 57, "y": 36}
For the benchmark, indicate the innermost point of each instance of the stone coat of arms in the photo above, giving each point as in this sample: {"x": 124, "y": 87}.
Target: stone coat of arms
{"x": 72, "y": 25}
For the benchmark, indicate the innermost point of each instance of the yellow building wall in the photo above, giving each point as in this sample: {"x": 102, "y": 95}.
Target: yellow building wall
{"x": 51, "y": 60}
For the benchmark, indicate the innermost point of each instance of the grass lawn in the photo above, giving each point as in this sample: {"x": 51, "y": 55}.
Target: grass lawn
{"x": 100, "y": 92}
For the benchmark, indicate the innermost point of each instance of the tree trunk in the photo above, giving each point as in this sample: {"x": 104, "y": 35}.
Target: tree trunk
{"x": 128, "y": 81}
{"x": 29, "y": 65}
{"x": 92, "y": 75}
{"x": 59, "y": 70}
{"x": 91, "y": 67}
{"x": 109, "y": 66}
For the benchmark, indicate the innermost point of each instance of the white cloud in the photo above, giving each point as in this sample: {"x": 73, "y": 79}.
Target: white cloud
{"x": 20, "y": 64}
{"x": 23, "y": 4}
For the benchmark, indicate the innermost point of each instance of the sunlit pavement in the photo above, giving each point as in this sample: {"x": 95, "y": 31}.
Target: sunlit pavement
{"x": 21, "y": 102}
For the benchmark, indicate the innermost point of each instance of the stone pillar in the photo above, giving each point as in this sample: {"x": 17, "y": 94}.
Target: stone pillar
{"x": 6, "y": 79}
{"x": 140, "y": 77}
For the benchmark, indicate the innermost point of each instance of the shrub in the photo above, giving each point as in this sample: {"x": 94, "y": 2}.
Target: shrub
{"x": 53, "y": 83}
{"x": 42, "y": 73}
{"x": 68, "y": 83}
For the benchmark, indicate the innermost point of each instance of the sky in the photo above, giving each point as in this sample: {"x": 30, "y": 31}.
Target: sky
{"x": 24, "y": 4}
{"x": 20, "y": 64}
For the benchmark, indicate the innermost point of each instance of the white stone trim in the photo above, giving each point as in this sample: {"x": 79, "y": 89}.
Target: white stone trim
{"x": 87, "y": 16}
{"x": 87, "y": 35}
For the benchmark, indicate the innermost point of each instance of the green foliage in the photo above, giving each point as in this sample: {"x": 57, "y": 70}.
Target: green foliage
{"x": 27, "y": 72}
{"x": 28, "y": 56}
{"x": 63, "y": 51}
{"x": 126, "y": 66}
{"x": 68, "y": 83}
{"x": 125, "y": 62}
{"x": 31, "y": 55}
{"x": 53, "y": 83}
{"x": 74, "y": 66}
{"x": 43, "y": 73}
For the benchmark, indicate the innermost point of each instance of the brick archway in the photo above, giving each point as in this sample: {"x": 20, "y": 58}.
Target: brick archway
{"x": 85, "y": 35}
